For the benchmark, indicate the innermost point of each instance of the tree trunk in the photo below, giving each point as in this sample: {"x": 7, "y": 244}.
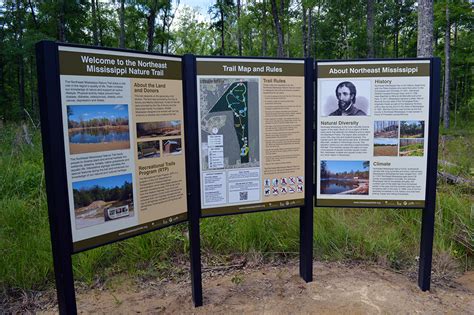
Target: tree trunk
{"x": 370, "y": 28}
{"x": 122, "y": 24}
{"x": 396, "y": 35}
{"x": 239, "y": 31}
{"x": 222, "y": 32}
{"x": 21, "y": 84}
{"x": 425, "y": 28}
{"x": 315, "y": 31}
{"x": 101, "y": 37}
{"x": 95, "y": 36}
{"x": 310, "y": 22}
{"x": 151, "y": 29}
{"x": 20, "y": 59}
{"x": 276, "y": 20}
{"x": 163, "y": 29}
{"x": 303, "y": 29}
{"x": 32, "y": 85}
{"x": 447, "y": 42}
{"x": 61, "y": 23}
{"x": 264, "y": 30}
{"x": 395, "y": 40}
{"x": 33, "y": 15}
{"x": 287, "y": 38}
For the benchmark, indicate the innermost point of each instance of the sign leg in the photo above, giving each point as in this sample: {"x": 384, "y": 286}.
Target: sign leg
{"x": 306, "y": 242}
{"x": 426, "y": 248}
{"x": 64, "y": 283}
{"x": 195, "y": 251}
{"x": 428, "y": 216}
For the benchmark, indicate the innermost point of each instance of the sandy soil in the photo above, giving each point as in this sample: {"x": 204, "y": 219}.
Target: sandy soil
{"x": 77, "y": 148}
{"x": 337, "y": 289}
{"x": 386, "y": 150}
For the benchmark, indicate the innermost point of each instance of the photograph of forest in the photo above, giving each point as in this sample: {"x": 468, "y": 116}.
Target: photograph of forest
{"x": 386, "y": 129}
{"x": 412, "y": 129}
{"x": 93, "y": 198}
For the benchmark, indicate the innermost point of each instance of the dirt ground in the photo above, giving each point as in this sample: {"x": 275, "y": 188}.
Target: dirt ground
{"x": 337, "y": 289}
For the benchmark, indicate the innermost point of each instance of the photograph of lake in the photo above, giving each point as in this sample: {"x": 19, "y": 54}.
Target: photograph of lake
{"x": 96, "y": 199}
{"x": 96, "y": 128}
{"x": 345, "y": 177}
{"x": 385, "y": 147}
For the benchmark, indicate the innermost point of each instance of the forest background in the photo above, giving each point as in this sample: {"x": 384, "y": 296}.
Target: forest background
{"x": 320, "y": 29}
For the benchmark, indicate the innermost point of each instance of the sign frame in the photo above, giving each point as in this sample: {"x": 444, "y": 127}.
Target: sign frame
{"x": 306, "y": 210}
{"x": 47, "y": 54}
{"x": 428, "y": 210}
{"x": 308, "y": 64}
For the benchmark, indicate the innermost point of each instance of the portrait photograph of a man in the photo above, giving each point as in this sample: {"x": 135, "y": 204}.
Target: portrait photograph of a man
{"x": 346, "y": 98}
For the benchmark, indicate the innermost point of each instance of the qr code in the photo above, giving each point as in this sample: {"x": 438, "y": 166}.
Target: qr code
{"x": 244, "y": 195}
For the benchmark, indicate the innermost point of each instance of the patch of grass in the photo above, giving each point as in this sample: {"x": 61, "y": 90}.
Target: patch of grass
{"x": 339, "y": 234}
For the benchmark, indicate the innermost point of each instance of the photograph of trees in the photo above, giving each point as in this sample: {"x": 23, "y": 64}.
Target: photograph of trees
{"x": 92, "y": 198}
{"x": 412, "y": 129}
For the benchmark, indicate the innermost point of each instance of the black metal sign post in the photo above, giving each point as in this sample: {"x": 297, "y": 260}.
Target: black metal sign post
{"x": 428, "y": 215}
{"x": 51, "y": 111}
{"x": 55, "y": 167}
{"x": 192, "y": 174}
{"x": 306, "y": 212}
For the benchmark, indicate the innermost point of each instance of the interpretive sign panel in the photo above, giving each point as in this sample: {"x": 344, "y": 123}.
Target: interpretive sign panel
{"x": 251, "y": 114}
{"x": 372, "y": 133}
{"x": 124, "y": 143}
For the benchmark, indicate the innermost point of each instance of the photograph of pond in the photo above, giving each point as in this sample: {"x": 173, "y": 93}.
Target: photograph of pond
{"x": 172, "y": 147}
{"x": 412, "y": 129}
{"x": 345, "y": 177}
{"x": 158, "y": 129}
{"x": 103, "y": 199}
{"x": 148, "y": 149}
{"x": 385, "y": 147}
{"x": 386, "y": 129}
{"x": 411, "y": 147}
{"x": 96, "y": 128}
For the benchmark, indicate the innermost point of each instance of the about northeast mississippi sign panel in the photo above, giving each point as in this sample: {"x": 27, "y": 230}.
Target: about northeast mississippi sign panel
{"x": 372, "y": 131}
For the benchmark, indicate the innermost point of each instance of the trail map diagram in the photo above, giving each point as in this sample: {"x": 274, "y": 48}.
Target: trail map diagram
{"x": 229, "y": 111}
{"x": 236, "y": 100}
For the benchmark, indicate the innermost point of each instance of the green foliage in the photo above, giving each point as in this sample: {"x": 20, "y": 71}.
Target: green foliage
{"x": 337, "y": 29}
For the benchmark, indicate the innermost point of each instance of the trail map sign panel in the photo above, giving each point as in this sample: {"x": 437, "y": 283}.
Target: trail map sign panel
{"x": 124, "y": 143}
{"x": 372, "y": 133}
{"x": 251, "y": 117}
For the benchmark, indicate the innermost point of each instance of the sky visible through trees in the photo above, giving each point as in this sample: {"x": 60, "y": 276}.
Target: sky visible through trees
{"x": 287, "y": 28}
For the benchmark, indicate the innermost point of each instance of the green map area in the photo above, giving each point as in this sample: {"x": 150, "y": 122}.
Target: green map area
{"x": 235, "y": 99}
